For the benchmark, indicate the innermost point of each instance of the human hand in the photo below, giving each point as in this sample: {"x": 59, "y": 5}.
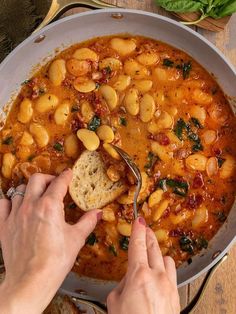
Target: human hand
{"x": 149, "y": 285}
{"x": 39, "y": 247}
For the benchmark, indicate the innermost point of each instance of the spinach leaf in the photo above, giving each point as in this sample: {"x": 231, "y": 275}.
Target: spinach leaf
{"x": 180, "y": 5}
{"x": 168, "y": 63}
{"x": 112, "y": 249}
{"x": 201, "y": 243}
{"x": 220, "y": 161}
{"x": 91, "y": 239}
{"x": 94, "y": 123}
{"x": 152, "y": 159}
{"x": 196, "y": 147}
{"x": 186, "y": 68}
{"x": 123, "y": 121}
{"x": 57, "y": 146}
{"x": 178, "y": 187}
{"x": 186, "y": 244}
{"x": 179, "y": 128}
{"x": 196, "y": 123}
{"x": 8, "y": 140}
{"x": 227, "y": 9}
{"x": 26, "y": 82}
{"x": 124, "y": 243}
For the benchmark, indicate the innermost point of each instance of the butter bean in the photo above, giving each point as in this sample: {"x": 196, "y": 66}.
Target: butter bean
{"x": 105, "y": 133}
{"x": 89, "y": 139}
{"x": 8, "y": 161}
{"x": 57, "y": 72}
{"x": 26, "y": 111}
{"x": 46, "y": 103}
{"x": 85, "y": 54}
{"x": 110, "y": 96}
{"x": 71, "y": 146}
{"x": 147, "y": 108}
{"x": 40, "y": 134}
{"x": 62, "y": 113}
{"x": 131, "y": 101}
{"x": 123, "y": 46}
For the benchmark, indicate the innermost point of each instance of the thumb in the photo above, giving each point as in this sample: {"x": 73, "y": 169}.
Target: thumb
{"x": 86, "y": 225}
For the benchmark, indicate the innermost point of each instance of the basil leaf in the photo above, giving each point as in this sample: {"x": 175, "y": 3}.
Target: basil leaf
{"x": 220, "y": 161}
{"x": 196, "y": 147}
{"x": 8, "y": 140}
{"x": 196, "y": 123}
{"x": 168, "y": 63}
{"x": 58, "y": 147}
{"x": 186, "y": 244}
{"x": 91, "y": 239}
{"x": 186, "y": 68}
{"x": 179, "y": 128}
{"x": 180, "y": 5}
{"x": 112, "y": 249}
{"x": 94, "y": 123}
{"x": 124, "y": 243}
{"x": 123, "y": 121}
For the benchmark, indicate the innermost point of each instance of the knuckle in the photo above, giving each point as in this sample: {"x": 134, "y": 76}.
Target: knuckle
{"x": 139, "y": 243}
{"x": 36, "y": 177}
{"x": 46, "y": 202}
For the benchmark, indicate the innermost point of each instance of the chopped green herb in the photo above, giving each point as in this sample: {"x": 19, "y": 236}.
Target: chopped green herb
{"x": 123, "y": 121}
{"x": 221, "y": 216}
{"x": 108, "y": 70}
{"x": 220, "y": 161}
{"x": 97, "y": 85}
{"x": 26, "y": 82}
{"x": 152, "y": 159}
{"x": 91, "y": 239}
{"x": 196, "y": 147}
{"x": 74, "y": 108}
{"x": 31, "y": 157}
{"x": 179, "y": 128}
{"x": 168, "y": 63}
{"x": 186, "y": 68}
{"x": 196, "y": 123}
{"x": 179, "y": 187}
{"x": 94, "y": 123}
{"x": 8, "y": 140}
{"x": 57, "y": 146}
{"x": 124, "y": 243}
{"x": 201, "y": 243}
{"x": 186, "y": 244}
{"x": 112, "y": 249}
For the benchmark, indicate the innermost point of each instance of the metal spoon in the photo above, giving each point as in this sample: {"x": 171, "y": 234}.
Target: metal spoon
{"x": 132, "y": 166}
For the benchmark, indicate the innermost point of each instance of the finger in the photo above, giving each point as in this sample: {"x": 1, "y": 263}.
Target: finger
{"x": 170, "y": 269}
{"x": 155, "y": 258}
{"x": 137, "y": 253}
{"x": 18, "y": 199}
{"x": 5, "y": 209}
{"x": 119, "y": 288}
{"x": 85, "y": 226}
{"x": 59, "y": 186}
{"x": 36, "y": 186}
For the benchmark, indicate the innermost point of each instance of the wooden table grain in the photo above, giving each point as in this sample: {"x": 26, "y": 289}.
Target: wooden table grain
{"x": 220, "y": 296}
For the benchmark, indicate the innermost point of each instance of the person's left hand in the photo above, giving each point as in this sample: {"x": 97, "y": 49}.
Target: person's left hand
{"x": 39, "y": 247}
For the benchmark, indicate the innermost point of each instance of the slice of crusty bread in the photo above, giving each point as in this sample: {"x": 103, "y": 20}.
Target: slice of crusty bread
{"x": 61, "y": 305}
{"x": 90, "y": 187}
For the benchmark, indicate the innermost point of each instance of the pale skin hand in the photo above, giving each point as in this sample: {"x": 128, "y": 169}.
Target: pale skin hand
{"x": 149, "y": 285}
{"x": 39, "y": 247}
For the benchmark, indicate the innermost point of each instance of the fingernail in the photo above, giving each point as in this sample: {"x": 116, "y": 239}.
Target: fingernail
{"x": 142, "y": 221}
{"x": 99, "y": 215}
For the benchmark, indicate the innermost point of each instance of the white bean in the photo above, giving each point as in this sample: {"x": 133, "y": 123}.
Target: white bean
{"x": 199, "y": 113}
{"x": 87, "y": 111}
{"x": 78, "y": 67}
{"x": 148, "y": 58}
{"x": 40, "y": 134}
{"x": 46, "y": 103}
{"x": 8, "y": 161}
{"x": 131, "y": 101}
{"x": 209, "y": 137}
{"x": 89, "y": 139}
{"x": 122, "y": 82}
{"x": 155, "y": 198}
{"x": 123, "y": 46}
{"x": 143, "y": 86}
{"x": 62, "y": 113}
{"x": 147, "y": 108}
{"x": 161, "y": 152}
{"x": 196, "y": 162}
{"x": 212, "y": 166}
{"x": 135, "y": 69}
{"x": 201, "y": 97}
{"x": 159, "y": 210}
{"x": 110, "y": 96}
{"x": 71, "y": 146}
{"x": 105, "y": 133}
{"x": 228, "y": 167}
{"x": 84, "y": 85}
{"x": 113, "y": 63}
{"x": 162, "y": 235}
{"x": 124, "y": 228}
{"x": 26, "y": 111}
{"x": 26, "y": 139}
{"x": 57, "y": 72}
{"x": 85, "y": 54}
{"x": 111, "y": 151}
{"x": 201, "y": 217}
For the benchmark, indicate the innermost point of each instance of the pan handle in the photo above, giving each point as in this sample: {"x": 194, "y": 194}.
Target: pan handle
{"x": 58, "y": 7}
{"x": 101, "y": 308}
{"x": 199, "y": 295}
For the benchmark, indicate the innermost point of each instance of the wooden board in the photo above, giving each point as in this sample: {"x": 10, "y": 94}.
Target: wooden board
{"x": 220, "y": 296}
{"x": 215, "y": 25}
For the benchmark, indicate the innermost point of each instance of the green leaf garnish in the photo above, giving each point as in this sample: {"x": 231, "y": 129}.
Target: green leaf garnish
{"x": 94, "y": 123}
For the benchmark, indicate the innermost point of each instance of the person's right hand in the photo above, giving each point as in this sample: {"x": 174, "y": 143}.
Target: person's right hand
{"x": 149, "y": 285}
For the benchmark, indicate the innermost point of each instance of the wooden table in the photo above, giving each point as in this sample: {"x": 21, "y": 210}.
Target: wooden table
{"x": 220, "y": 296}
